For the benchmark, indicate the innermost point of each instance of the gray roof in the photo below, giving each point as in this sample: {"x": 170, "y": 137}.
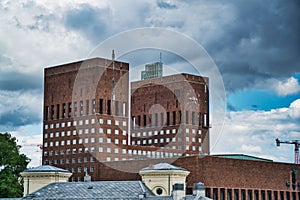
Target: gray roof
{"x": 163, "y": 166}
{"x": 46, "y": 168}
{"x": 92, "y": 190}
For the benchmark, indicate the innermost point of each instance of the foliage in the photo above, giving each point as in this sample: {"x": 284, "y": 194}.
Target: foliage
{"x": 11, "y": 164}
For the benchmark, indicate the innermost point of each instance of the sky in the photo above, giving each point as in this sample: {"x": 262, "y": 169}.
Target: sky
{"x": 254, "y": 44}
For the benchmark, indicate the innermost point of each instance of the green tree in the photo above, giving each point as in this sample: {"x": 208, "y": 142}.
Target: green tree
{"x": 11, "y": 164}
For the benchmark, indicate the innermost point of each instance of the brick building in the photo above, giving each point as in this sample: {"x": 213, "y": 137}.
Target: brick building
{"x": 225, "y": 178}
{"x": 86, "y": 116}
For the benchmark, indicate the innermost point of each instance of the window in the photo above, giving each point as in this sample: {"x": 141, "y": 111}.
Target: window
{"x": 116, "y": 141}
{"x": 124, "y": 109}
{"x": 101, "y": 121}
{"x": 93, "y": 106}
{"x": 109, "y": 121}
{"x": 174, "y": 117}
{"x": 108, "y": 150}
{"x": 69, "y": 109}
{"x": 100, "y": 130}
{"x": 81, "y": 108}
{"x": 108, "y": 140}
{"x": 57, "y": 143}
{"x": 75, "y": 109}
{"x": 100, "y": 149}
{"x": 100, "y": 140}
{"x": 117, "y": 132}
{"x": 64, "y": 111}
{"x": 116, "y": 108}
{"x": 124, "y": 142}
{"x": 116, "y": 150}
{"x": 101, "y": 106}
{"x": 109, "y": 107}
{"x": 57, "y": 111}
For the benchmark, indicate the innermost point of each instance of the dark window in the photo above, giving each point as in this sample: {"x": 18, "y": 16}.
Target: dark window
{"x": 263, "y": 195}
{"x": 249, "y": 194}
{"x": 243, "y": 194}
{"x": 176, "y": 103}
{"x": 139, "y": 120}
{"x": 156, "y": 119}
{"x": 46, "y": 113}
{"x": 109, "y": 107}
{"x": 215, "y": 193}
{"x": 207, "y": 192}
{"x": 168, "y": 118}
{"x": 199, "y": 119}
{"x": 57, "y": 111}
{"x": 75, "y": 109}
{"x": 145, "y": 120}
{"x": 124, "y": 109}
{"x": 101, "y": 106}
{"x": 150, "y": 120}
{"x": 281, "y": 195}
{"x": 236, "y": 194}
{"x": 162, "y": 118}
{"x": 69, "y": 109}
{"x": 180, "y": 115}
{"x": 81, "y": 108}
{"x": 116, "y": 108}
{"x": 255, "y": 194}
{"x": 270, "y": 195}
{"x": 275, "y": 195}
{"x": 159, "y": 191}
{"x": 229, "y": 194}
{"x": 64, "y": 111}
{"x": 294, "y": 195}
{"x": 287, "y": 195}
{"x": 193, "y": 118}
{"x": 87, "y": 111}
{"x": 222, "y": 194}
{"x": 174, "y": 117}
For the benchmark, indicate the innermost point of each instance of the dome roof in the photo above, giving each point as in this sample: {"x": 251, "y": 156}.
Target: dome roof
{"x": 47, "y": 168}
{"x": 163, "y": 166}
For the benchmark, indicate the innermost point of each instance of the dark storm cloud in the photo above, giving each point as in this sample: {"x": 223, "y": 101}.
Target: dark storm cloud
{"x": 13, "y": 81}
{"x": 93, "y": 22}
{"x": 263, "y": 37}
{"x": 166, "y": 5}
{"x": 18, "y": 117}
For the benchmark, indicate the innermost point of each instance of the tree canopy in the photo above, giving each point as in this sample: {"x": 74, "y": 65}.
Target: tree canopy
{"x": 11, "y": 164}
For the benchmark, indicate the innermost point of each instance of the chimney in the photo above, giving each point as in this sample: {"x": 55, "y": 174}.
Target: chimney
{"x": 87, "y": 177}
{"x": 199, "y": 189}
{"x": 178, "y": 191}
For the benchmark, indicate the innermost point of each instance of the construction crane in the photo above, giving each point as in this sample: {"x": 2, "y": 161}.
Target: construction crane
{"x": 294, "y": 142}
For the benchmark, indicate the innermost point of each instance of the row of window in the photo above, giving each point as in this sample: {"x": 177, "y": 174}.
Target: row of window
{"x": 81, "y": 131}
{"x": 243, "y": 194}
{"x": 162, "y": 119}
{"x": 84, "y": 141}
{"x": 87, "y": 107}
{"x": 162, "y": 132}
{"x": 86, "y": 122}
{"x": 150, "y": 154}
{"x": 163, "y": 140}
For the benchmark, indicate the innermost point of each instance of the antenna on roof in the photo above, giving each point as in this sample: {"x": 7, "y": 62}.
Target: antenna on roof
{"x": 113, "y": 55}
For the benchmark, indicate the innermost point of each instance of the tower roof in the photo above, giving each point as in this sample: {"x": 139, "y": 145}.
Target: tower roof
{"x": 163, "y": 166}
{"x": 47, "y": 168}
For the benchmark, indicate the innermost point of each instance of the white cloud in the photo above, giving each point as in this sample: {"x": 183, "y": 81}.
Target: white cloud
{"x": 29, "y": 146}
{"x": 251, "y": 148}
{"x": 255, "y": 132}
{"x": 290, "y": 86}
{"x": 295, "y": 109}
